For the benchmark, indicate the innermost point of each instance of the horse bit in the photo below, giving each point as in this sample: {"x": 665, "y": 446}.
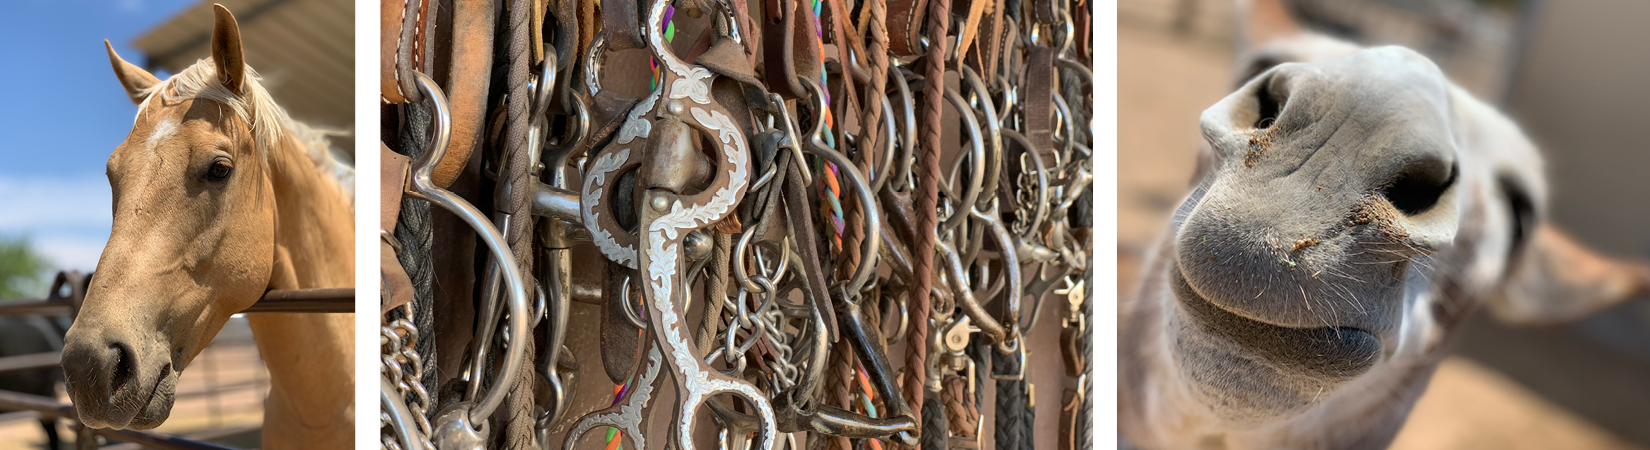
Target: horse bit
{"x": 762, "y": 232}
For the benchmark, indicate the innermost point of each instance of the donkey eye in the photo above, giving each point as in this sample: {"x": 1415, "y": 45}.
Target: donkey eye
{"x": 220, "y": 169}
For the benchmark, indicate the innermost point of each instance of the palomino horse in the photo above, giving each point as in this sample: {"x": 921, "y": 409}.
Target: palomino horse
{"x": 218, "y": 197}
{"x": 1352, "y": 206}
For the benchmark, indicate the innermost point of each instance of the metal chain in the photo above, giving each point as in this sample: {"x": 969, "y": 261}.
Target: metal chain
{"x": 401, "y": 363}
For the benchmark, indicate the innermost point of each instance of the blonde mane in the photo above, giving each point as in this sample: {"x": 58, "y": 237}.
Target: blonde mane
{"x": 268, "y": 121}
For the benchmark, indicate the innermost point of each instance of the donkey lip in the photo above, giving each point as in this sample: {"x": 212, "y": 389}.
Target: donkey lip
{"x": 1331, "y": 352}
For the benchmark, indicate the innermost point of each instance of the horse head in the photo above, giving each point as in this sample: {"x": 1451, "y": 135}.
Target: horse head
{"x": 193, "y": 235}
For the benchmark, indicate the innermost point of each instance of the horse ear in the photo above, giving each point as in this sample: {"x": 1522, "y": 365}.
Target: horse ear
{"x": 133, "y": 78}
{"x": 1558, "y": 280}
{"x": 226, "y": 49}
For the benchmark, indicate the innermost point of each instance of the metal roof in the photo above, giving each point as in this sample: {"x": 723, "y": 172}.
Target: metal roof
{"x": 304, "y": 49}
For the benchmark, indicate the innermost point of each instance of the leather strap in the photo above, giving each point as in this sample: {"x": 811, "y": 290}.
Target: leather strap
{"x": 1039, "y": 88}
{"x": 727, "y": 58}
{"x": 471, "y": 72}
{"x": 402, "y": 45}
{"x": 568, "y": 28}
{"x": 971, "y": 24}
{"x": 801, "y": 228}
{"x": 621, "y": 340}
{"x": 389, "y": 34}
{"x": 392, "y": 181}
{"x": 587, "y": 27}
{"x": 622, "y": 25}
{"x": 779, "y": 34}
{"x": 1043, "y": 11}
{"x": 905, "y": 19}
{"x": 988, "y": 44}
{"x": 847, "y": 45}
{"x": 806, "y": 54}
{"x": 395, "y": 286}
{"x": 741, "y": 11}
{"x": 1083, "y": 16}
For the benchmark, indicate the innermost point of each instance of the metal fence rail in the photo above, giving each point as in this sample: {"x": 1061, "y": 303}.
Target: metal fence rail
{"x": 49, "y": 407}
{"x": 320, "y": 300}
{"x": 69, "y": 289}
{"x": 32, "y": 361}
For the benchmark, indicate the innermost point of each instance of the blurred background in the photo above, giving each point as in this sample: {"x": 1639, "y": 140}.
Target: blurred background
{"x": 64, "y": 112}
{"x": 1571, "y": 72}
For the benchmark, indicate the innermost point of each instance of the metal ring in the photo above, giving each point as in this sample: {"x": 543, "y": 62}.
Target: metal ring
{"x": 885, "y": 170}
{"x": 630, "y": 313}
{"x": 993, "y": 134}
{"x": 976, "y": 182}
{"x": 739, "y": 271}
{"x": 909, "y": 143}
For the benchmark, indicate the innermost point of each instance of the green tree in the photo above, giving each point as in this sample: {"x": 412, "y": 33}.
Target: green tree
{"x": 21, "y": 269}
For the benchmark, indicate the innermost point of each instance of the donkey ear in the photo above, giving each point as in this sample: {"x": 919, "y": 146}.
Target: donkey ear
{"x": 133, "y": 78}
{"x": 1559, "y": 280}
{"x": 1262, "y": 21}
{"x": 226, "y": 49}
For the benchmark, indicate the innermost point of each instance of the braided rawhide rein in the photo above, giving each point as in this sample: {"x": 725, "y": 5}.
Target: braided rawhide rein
{"x": 518, "y": 431}
{"x": 927, "y": 206}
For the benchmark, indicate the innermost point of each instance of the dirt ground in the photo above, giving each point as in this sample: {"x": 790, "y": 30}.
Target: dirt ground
{"x": 230, "y": 366}
{"x": 1164, "y": 82}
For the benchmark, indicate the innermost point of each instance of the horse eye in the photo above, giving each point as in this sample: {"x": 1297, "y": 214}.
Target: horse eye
{"x": 220, "y": 169}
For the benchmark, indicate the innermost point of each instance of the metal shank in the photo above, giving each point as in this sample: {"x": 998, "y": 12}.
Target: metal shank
{"x": 424, "y": 187}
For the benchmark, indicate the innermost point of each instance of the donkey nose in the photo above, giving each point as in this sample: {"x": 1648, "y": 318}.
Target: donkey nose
{"x": 1417, "y": 186}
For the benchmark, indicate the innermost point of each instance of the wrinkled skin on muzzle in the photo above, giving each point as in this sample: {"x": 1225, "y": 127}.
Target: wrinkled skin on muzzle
{"x": 1293, "y": 257}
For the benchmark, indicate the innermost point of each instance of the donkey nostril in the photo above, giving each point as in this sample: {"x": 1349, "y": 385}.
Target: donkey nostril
{"x": 1268, "y": 105}
{"x": 1419, "y": 187}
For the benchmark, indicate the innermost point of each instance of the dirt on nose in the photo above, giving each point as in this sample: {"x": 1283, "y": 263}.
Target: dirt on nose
{"x": 1380, "y": 214}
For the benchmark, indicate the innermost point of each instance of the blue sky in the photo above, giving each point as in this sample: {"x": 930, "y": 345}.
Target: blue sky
{"x": 61, "y": 113}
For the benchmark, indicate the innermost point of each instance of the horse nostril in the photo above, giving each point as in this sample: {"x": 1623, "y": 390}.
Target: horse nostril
{"x": 125, "y": 368}
{"x": 1419, "y": 187}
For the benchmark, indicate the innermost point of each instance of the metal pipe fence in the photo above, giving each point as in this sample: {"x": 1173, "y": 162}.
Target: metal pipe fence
{"x": 66, "y": 295}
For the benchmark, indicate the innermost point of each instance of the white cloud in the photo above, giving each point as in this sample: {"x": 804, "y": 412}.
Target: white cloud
{"x": 71, "y": 252}
{"x": 67, "y": 218}
{"x": 39, "y": 202}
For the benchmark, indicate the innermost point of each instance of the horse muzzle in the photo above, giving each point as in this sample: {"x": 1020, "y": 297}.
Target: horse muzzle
{"x": 116, "y": 382}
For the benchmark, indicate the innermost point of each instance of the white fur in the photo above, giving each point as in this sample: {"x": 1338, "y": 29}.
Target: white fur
{"x": 164, "y": 129}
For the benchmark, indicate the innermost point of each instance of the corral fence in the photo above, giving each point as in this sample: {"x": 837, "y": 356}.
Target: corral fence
{"x": 69, "y": 290}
